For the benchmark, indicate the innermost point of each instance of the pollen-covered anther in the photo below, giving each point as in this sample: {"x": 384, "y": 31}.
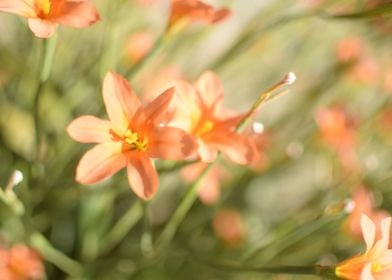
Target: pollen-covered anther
{"x": 133, "y": 141}
{"x": 376, "y": 267}
{"x": 44, "y": 6}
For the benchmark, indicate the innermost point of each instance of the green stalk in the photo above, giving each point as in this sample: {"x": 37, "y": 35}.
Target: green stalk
{"x": 182, "y": 210}
{"x": 146, "y": 240}
{"x": 46, "y": 67}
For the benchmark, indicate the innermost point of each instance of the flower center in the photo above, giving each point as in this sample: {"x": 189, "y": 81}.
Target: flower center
{"x": 44, "y": 6}
{"x": 204, "y": 128}
{"x": 133, "y": 141}
{"x": 376, "y": 267}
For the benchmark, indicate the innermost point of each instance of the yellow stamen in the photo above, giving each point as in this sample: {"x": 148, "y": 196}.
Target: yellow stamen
{"x": 134, "y": 142}
{"x": 44, "y": 6}
{"x": 376, "y": 267}
{"x": 205, "y": 128}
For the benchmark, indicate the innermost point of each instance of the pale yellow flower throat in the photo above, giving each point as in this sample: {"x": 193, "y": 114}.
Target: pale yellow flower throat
{"x": 44, "y": 6}
{"x": 134, "y": 142}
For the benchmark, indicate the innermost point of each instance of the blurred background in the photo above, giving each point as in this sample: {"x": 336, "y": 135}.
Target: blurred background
{"x": 323, "y": 143}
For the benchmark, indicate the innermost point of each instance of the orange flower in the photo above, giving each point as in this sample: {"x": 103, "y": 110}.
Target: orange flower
{"x": 138, "y": 45}
{"x": 349, "y": 49}
{"x": 209, "y": 187}
{"x": 363, "y": 204}
{"x": 20, "y": 263}
{"x": 229, "y": 227}
{"x": 44, "y": 15}
{"x": 376, "y": 262}
{"x": 337, "y": 131}
{"x": 200, "y": 112}
{"x": 195, "y": 10}
{"x": 130, "y": 139}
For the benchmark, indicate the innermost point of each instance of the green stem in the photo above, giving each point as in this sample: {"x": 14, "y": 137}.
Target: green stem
{"x": 182, "y": 210}
{"x": 146, "y": 240}
{"x": 122, "y": 227}
{"x": 52, "y": 255}
{"x": 158, "y": 45}
{"x": 46, "y": 67}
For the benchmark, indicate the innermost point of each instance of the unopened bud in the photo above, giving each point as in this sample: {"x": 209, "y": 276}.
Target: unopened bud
{"x": 290, "y": 78}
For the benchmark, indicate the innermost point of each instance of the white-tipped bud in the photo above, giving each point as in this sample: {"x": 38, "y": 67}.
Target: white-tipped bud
{"x": 290, "y": 78}
{"x": 349, "y": 205}
{"x": 16, "y": 178}
{"x": 257, "y": 127}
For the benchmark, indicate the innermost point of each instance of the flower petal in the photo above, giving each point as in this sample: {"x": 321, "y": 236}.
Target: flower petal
{"x": 156, "y": 110}
{"x": 90, "y": 129}
{"x": 20, "y": 7}
{"x": 171, "y": 143}
{"x": 207, "y": 153}
{"x": 42, "y": 28}
{"x": 77, "y": 14}
{"x": 210, "y": 90}
{"x": 385, "y": 231}
{"x": 142, "y": 177}
{"x": 120, "y": 101}
{"x": 238, "y": 148}
{"x": 368, "y": 231}
{"x": 100, "y": 162}
{"x": 367, "y": 272}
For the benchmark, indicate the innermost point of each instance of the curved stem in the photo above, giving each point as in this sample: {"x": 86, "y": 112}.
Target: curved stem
{"x": 46, "y": 67}
{"x": 146, "y": 240}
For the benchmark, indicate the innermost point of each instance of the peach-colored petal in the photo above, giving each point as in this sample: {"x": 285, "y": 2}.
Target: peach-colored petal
{"x": 42, "y": 28}
{"x": 90, "y": 129}
{"x": 367, "y": 272}
{"x": 171, "y": 143}
{"x": 220, "y": 15}
{"x": 156, "y": 110}
{"x": 100, "y": 162}
{"x": 79, "y": 13}
{"x": 210, "y": 89}
{"x": 120, "y": 101}
{"x": 142, "y": 177}
{"x": 207, "y": 153}
{"x": 209, "y": 189}
{"x": 20, "y": 7}
{"x": 235, "y": 147}
{"x": 385, "y": 231}
{"x": 369, "y": 231}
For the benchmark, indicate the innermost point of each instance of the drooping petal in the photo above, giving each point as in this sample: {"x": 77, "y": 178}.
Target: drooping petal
{"x": 171, "y": 143}
{"x": 210, "y": 90}
{"x": 237, "y": 148}
{"x": 77, "y": 14}
{"x": 368, "y": 230}
{"x": 100, "y": 162}
{"x": 42, "y": 28}
{"x": 120, "y": 101}
{"x": 90, "y": 129}
{"x": 156, "y": 110}
{"x": 142, "y": 177}
{"x": 20, "y": 7}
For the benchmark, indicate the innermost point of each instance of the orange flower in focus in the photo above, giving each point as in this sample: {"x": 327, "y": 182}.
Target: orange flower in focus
{"x": 376, "y": 262}
{"x": 337, "y": 131}
{"x": 349, "y": 49}
{"x": 209, "y": 187}
{"x": 20, "y": 263}
{"x": 199, "y": 111}
{"x": 363, "y": 204}
{"x": 229, "y": 227}
{"x": 138, "y": 45}
{"x": 44, "y": 15}
{"x": 130, "y": 139}
{"x": 195, "y": 10}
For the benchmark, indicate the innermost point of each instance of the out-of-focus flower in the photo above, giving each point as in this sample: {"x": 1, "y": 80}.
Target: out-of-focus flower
{"x": 138, "y": 45}
{"x": 44, "y": 15}
{"x": 388, "y": 81}
{"x": 195, "y": 10}
{"x": 261, "y": 140}
{"x": 337, "y": 131}
{"x": 199, "y": 111}
{"x": 20, "y": 263}
{"x": 160, "y": 81}
{"x": 363, "y": 204}
{"x": 130, "y": 139}
{"x": 229, "y": 227}
{"x": 349, "y": 49}
{"x": 376, "y": 262}
{"x": 366, "y": 70}
{"x": 209, "y": 188}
